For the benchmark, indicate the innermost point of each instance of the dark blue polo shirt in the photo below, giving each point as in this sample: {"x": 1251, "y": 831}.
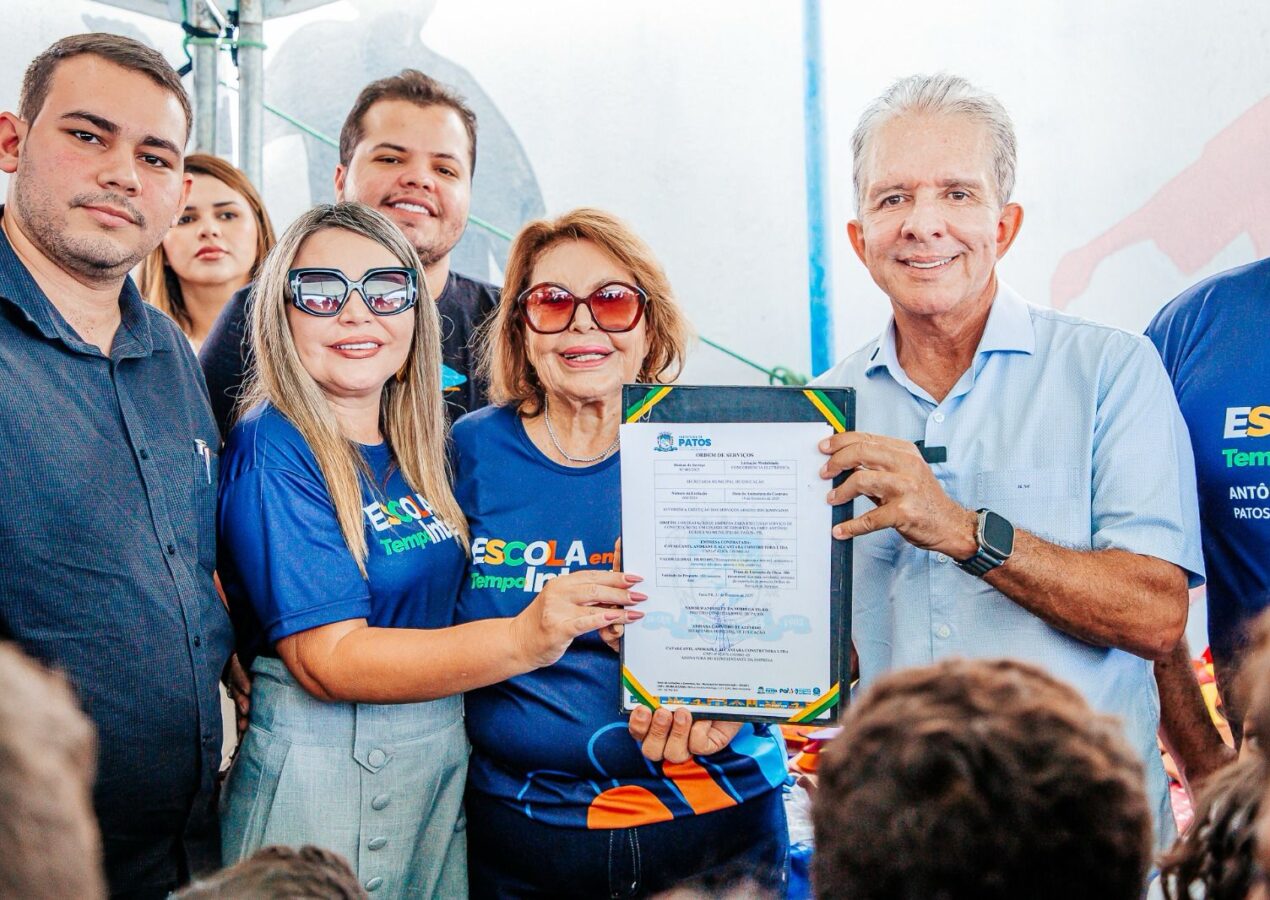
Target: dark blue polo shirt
{"x": 107, "y": 548}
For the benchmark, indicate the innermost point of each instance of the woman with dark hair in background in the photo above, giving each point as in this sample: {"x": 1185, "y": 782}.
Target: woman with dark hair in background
{"x": 215, "y": 247}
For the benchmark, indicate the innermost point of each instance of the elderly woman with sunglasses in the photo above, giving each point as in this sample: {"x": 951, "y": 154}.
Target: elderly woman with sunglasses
{"x": 342, "y": 549}
{"x": 560, "y": 801}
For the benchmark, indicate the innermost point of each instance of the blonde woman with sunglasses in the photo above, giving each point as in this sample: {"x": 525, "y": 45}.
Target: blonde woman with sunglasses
{"x": 341, "y": 551}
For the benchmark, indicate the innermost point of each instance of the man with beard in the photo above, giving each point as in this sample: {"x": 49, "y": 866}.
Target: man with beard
{"x": 408, "y": 149}
{"x": 106, "y": 519}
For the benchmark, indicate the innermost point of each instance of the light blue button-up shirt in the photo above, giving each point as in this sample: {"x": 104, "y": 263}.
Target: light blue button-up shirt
{"x": 1071, "y": 431}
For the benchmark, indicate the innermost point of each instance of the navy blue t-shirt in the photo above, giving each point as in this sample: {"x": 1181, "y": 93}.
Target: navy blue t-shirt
{"x": 1213, "y": 342}
{"x": 551, "y": 743}
{"x": 283, "y": 561}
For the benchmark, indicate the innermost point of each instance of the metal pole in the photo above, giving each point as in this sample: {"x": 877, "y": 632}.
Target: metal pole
{"x": 820, "y": 281}
{"x": 251, "y": 89}
{"x": 205, "y": 82}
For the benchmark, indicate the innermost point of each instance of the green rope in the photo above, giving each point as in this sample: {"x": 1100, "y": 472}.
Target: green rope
{"x": 289, "y": 119}
{"x": 778, "y": 375}
{"x": 492, "y": 229}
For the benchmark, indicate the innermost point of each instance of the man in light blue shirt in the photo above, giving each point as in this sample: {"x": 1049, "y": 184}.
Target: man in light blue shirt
{"x": 1049, "y": 512}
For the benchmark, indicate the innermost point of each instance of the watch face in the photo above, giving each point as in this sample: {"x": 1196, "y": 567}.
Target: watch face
{"x": 998, "y": 535}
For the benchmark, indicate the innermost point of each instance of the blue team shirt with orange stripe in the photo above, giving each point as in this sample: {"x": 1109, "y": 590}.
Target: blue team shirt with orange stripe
{"x": 551, "y": 743}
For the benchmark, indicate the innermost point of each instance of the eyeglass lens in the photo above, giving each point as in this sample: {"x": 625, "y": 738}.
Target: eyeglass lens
{"x": 325, "y": 293}
{"x": 614, "y": 307}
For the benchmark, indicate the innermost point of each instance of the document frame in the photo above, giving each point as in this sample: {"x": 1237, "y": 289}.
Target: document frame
{"x": 686, "y": 405}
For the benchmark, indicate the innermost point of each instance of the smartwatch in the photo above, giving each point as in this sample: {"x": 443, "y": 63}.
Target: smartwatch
{"x": 995, "y": 536}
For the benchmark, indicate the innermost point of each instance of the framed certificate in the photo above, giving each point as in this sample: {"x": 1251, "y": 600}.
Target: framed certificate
{"x": 748, "y": 615}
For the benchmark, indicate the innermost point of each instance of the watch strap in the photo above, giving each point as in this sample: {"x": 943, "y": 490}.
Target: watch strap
{"x": 984, "y": 559}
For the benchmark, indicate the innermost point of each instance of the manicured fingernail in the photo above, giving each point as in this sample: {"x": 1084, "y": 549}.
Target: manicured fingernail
{"x": 633, "y": 579}
{"x": 634, "y": 615}
{"x": 636, "y": 595}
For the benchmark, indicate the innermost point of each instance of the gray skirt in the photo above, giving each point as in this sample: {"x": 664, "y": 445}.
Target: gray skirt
{"x": 380, "y": 784}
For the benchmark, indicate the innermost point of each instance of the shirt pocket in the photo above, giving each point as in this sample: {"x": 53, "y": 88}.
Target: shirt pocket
{"x": 206, "y": 481}
{"x": 1045, "y": 501}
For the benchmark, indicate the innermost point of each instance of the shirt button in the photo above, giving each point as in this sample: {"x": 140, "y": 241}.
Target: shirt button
{"x": 941, "y": 558}
{"x": 377, "y": 757}
{"x": 380, "y": 802}
{"x": 171, "y": 549}
{"x": 943, "y": 631}
{"x": 198, "y": 641}
{"x": 938, "y": 417}
{"x": 374, "y": 883}
{"x": 378, "y": 843}
{"x": 144, "y": 453}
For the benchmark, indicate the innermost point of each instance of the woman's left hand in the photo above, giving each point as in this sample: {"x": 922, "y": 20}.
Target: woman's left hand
{"x": 674, "y": 737}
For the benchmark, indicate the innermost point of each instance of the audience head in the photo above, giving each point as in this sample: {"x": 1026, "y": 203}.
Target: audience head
{"x": 281, "y": 873}
{"x": 1253, "y": 685}
{"x": 979, "y": 779}
{"x": 320, "y": 345}
{"x": 218, "y": 240}
{"x": 96, "y": 154}
{"x": 408, "y": 149}
{"x": 49, "y": 845}
{"x": 532, "y": 349}
{"x": 1217, "y": 856}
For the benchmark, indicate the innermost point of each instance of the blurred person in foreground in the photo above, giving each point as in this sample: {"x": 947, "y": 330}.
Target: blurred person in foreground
{"x": 1216, "y": 857}
{"x": 561, "y": 802}
{"x": 978, "y": 780}
{"x": 214, "y": 248}
{"x": 280, "y": 873}
{"x": 49, "y": 845}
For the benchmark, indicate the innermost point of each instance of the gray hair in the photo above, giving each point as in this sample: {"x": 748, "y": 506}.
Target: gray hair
{"x": 941, "y": 94}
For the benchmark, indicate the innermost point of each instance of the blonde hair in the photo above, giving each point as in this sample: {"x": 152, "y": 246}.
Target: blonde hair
{"x": 159, "y": 284}
{"x": 412, "y": 411}
{"x": 504, "y": 358}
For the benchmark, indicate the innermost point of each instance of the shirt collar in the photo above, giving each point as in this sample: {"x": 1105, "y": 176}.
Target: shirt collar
{"x": 135, "y": 336}
{"x": 1008, "y": 330}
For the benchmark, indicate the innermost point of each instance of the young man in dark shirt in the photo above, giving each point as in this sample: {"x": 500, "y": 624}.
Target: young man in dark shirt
{"x": 408, "y": 149}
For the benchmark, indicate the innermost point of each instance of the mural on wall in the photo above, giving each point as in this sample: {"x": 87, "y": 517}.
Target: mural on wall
{"x": 1223, "y": 194}
{"x": 316, "y": 74}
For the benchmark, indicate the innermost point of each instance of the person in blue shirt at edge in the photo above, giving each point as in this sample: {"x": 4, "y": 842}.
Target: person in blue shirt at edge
{"x": 1212, "y": 340}
{"x": 1056, "y": 522}
{"x": 341, "y": 553}
{"x": 560, "y": 801}
{"x": 107, "y": 536}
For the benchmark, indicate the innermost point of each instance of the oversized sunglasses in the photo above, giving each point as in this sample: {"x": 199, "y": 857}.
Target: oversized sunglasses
{"x": 550, "y": 308}
{"x": 323, "y": 292}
